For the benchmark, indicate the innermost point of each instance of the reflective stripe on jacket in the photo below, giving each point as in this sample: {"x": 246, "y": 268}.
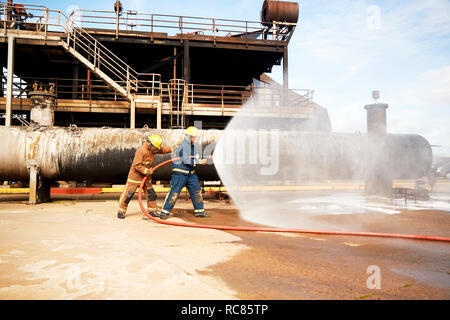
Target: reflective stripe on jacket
{"x": 143, "y": 162}
{"x": 184, "y": 151}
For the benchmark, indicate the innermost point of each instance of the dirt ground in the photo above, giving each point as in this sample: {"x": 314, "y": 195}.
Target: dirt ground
{"x": 77, "y": 249}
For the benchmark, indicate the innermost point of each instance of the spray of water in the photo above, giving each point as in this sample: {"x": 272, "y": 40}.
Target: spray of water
{"x": 269, "y": 152}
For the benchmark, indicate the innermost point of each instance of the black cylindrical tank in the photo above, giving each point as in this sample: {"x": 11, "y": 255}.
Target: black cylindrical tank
{"x": 280, "y": 11}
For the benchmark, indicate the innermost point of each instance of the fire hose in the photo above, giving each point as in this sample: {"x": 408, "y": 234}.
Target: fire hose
{"x": 262, "y": 229}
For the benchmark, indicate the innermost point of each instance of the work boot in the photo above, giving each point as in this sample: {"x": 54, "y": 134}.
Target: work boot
{"x": 155, "y": 214}
{"x": 202, "y": 215}
{"x": 120, "y": 215}
{"x": 163, "y": 216}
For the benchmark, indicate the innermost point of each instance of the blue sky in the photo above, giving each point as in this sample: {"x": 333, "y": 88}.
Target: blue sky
{"x": 344, "y": 49}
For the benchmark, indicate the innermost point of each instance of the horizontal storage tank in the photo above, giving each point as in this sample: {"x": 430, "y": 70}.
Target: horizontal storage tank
{"x": 88, "y": 154}
{"x": 302, "y": 156}
{"x": 93, "y": 154}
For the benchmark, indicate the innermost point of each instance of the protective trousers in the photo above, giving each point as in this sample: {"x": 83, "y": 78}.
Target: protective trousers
{"x": 176, "y": 185}
{"x": 130, "y": 190}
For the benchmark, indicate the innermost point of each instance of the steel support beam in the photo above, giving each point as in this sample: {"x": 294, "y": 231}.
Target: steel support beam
{"x": 132, "y": 114}
{"x": 39, "y": 188}
{"x": 186, "y": 62}
{"x": 158, "y": 115}
{"x": 285, "y": 74}
{"x": 10, "y": 80}
{"x": 75, "y": 78}
{"x": 273, "y": 46}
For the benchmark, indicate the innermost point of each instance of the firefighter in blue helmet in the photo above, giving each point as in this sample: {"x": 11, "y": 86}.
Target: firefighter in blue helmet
{"x": 183, "y": 174}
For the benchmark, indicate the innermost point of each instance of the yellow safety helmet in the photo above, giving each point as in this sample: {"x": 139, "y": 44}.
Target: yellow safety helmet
{"x": 156, "y": 140}
{"x": 193, "y": 131}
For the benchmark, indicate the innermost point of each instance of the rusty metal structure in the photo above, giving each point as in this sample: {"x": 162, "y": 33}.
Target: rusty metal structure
{"x": 122, "y": 68}
{"x": 276, "y": 11}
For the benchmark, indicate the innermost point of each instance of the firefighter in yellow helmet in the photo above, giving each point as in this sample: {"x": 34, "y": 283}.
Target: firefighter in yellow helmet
{"x": 142, "y": 167}
{"x": 183, "y": 174}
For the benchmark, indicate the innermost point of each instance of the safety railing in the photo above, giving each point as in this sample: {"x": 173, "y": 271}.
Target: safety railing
{"x": 101, "y": 57}
{"x": 41, "y": 19}
{"x": 149, "y": 84}
{"x": 19, "y": 86}
{"x": 30, "y": 17}
{"x": 221, "y": 95}
{"x": 82, "y": 89}
{"x": 269, "y": 97}
{"x": 129, "y": 21}
{"x": 181, "y": 97}
{"x": 303, "y": 97}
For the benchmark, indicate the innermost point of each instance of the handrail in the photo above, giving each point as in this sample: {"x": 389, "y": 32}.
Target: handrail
{"x": 194, "y": 95}
{"x": 126, "y": 77}
{"x": 152, "y": 22}
{"x": 77, "y": 38}
{"x": 86, "y": 88}
{"x": 42, "y": 19}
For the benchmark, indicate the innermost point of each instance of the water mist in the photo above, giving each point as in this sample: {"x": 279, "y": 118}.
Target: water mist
{"x": 269, "y": 149}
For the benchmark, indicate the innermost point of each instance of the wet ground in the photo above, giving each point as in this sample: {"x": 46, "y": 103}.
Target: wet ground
{"x": 305, "y": 266}
{"x": 78, "y": 249}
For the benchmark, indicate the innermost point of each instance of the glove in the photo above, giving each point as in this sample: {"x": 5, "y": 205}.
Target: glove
{"x": 203, "y": 161}
{"x": 148, "y": 172}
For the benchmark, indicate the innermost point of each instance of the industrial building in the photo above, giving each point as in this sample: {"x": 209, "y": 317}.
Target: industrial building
{"x": 299, "y": 211}
{"x": 76, "y": 83}
{"x": 128, "y": 69}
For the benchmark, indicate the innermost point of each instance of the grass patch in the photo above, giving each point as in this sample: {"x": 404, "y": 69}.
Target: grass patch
{"x": 367, "y": 296}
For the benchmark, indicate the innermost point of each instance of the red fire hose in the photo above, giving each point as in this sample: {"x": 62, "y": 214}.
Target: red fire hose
{"x": 329, "y": 232}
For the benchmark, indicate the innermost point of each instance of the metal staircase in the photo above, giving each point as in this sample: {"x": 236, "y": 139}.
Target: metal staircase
{"x": 101, "y": 61}
{"x": 82, "y": 46}
{"x": 111, "y": 69}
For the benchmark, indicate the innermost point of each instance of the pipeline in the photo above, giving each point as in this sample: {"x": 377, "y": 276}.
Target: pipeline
{"x": 231, "y": 228}
{"x": 103, "y": 154}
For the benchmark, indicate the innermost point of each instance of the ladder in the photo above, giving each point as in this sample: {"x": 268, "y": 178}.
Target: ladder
{"x": 177, "y": 89}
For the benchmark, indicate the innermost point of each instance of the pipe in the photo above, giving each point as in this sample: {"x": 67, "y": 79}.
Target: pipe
{"x": 379, "y": 182}
{"x": 84, "y": 154}
{"x": 10, "y": 80}
{"x": 230, "y": 228}
{"x": 105, "y": 154}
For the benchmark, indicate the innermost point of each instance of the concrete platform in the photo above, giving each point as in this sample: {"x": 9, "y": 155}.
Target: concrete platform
{"x": 78, "y": 249}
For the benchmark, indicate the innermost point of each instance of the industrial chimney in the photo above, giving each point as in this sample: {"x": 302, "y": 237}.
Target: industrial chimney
{"x": 378, "y": 180}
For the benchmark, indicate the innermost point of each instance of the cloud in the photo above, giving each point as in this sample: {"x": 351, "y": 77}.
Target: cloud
{"x": 434, "y": 86}
{"x": 345, "y": 49}
{"x": 424, "y": 107}
{"x": 355, "y": 36}
{"x": 352, "y": 70}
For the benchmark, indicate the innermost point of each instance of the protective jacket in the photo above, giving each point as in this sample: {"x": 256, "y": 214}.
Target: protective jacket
{"x": 143, "y": 162}
{"x": 187, "y": 164}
